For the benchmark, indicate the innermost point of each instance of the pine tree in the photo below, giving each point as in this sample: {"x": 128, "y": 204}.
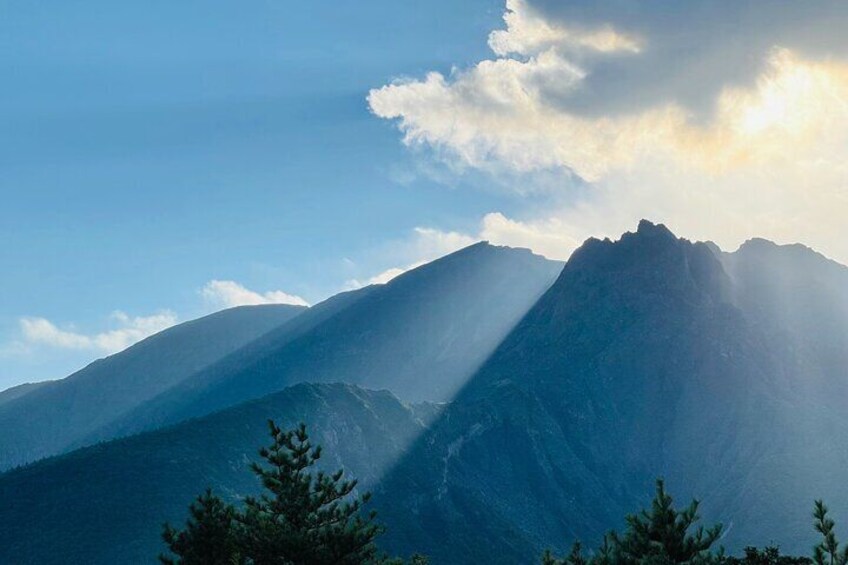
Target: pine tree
{"x": 302, "y": 519}
{"x": 209, "y": 537}
{"x": 659, "y": 536}
{"x": 574, "y": 558}
{"x": 827, "y": 552}
{"x": 769, "y": 555}
{"x": 305, "y": 519}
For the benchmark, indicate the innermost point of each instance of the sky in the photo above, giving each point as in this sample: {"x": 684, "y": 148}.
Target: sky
{"x": 163, "y": 160}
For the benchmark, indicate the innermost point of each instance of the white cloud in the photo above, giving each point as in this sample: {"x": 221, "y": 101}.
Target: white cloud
{"x": 488, "y": 115}
{"x": 549, "y": 237}
{"x": 769, "y": 160}
{"x": 499, "y": 113}
{"x": 382, "y": 277}
{"x": 36, "y": 333}
{"x": 425, "y": 245}
{"x": 228, "y": 294}
{"x": 129, "y": 330}
{"x": 431, "y": 243}
{"x": 528, "y": 33}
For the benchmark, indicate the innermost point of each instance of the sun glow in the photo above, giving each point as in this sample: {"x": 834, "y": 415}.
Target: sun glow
{"x": 797, "y": 97}
{"x": 770, "y": 160}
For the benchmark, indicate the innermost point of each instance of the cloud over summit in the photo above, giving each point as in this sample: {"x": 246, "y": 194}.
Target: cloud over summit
{"x": 529, "y": 33}
{"x": 724, "y": 120}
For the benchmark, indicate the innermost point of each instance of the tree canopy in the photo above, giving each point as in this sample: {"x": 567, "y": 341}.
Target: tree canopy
{"x": 302, "y": 518}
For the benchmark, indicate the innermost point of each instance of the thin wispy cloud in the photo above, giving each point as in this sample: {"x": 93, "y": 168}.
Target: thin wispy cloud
{"x": 36, "y": 335}
{"x": 763, "y": 156}
{"x": 423, "y": 246}
{"x": 382, "y": 277}
{"x": 39, "y": 337}
{"x": 127, "y": 330}
{"x": 229, "y": 294}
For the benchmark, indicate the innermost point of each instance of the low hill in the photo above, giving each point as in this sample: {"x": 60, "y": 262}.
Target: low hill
{"x": 105, "y": 504}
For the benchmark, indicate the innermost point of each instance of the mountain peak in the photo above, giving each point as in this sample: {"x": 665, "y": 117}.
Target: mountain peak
{"x": 485, "y": 246}
{"x": 762, "y": 245}
{"x": 649, "y": 261}
{"x": 757, "y": 243}
{"x": 474, "y": 256}
{"x": 793, "y": 259}
{"x": 648, "y": 228}
{"x": 648, "y": 239}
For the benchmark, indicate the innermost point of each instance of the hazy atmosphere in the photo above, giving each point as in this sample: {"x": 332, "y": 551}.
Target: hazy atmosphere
{"x": 514, "y": 265}
{"x": 172, "y": 160}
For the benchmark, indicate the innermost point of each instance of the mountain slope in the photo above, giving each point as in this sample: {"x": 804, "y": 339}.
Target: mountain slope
{"x": 106, "y": 504}
{"x": 798, "y": 297}
{"x": 55, "y": 415}
{"x": 639, "y": 362}
{"x": 420, "y": 336}
{"x": 649, "y": 356}
{"x": 20, "y": 390}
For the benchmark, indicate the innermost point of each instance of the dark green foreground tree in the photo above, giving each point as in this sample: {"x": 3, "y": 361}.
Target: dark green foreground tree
{"x": 305, "y": 518}
{"x": 302, "y": 519}
{"x": 767, "y": 556}
{"x": 827, "y": 552}
{"x": 665, "y": 536}
{"x": 659, "y": 536}
{"x": 210, "y": 534}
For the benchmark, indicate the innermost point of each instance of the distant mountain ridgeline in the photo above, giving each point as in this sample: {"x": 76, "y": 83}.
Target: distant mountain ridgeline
{"x": 650, "y": 356}
{"x": 18, "y": 391}
{"x": 421, "y": 335}
{"x": 43, "y": 419}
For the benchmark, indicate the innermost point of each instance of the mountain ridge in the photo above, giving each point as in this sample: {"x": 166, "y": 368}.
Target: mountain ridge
{"x": 438, "y": 321}
{"x": 636, "y": 363}
{"x": 56, "y": 415}
{"x": 126, "y": 488}
{"x": 647, "y": 356}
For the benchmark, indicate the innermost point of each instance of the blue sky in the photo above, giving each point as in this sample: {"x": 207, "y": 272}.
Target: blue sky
{"x": 148, "y": 148}
{"x": 160, "y": 160}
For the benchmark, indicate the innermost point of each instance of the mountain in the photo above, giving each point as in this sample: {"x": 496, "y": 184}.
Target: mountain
{"x": 48, "y": 418}
{"x": 650, "y": 356}
{"x": 421, "y": 336}
{"x": 106, "y": 504}
{"x": 800, "y": 298}
{"x": 724, "y": 373}
{"x": 20, "y": 390}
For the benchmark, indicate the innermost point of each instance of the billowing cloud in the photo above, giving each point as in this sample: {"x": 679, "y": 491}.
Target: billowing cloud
{"x": 763, "y": 155}
{"x": 496, "y": 113}
{"x": 128, "y": 330}
{"x": 528, "y": 33}
{"x": 228, "y": 294}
